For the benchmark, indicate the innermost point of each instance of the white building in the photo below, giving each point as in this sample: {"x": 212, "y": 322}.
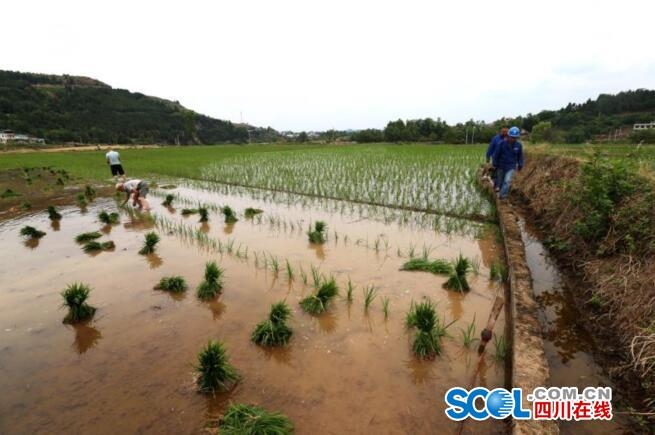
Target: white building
{"x": 6, "y": 136}
{"x": 646, "y": 126}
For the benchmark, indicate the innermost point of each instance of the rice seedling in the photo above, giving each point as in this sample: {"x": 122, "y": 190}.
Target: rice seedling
{"x": 89, "y": 192}
{"x": 385, "y": 307}
{"x": 204, "y": 214}
{"x": 501, "y": 347}
{"x": 149, "y": 243}
{"x": 316, "y": 276}
{"x": 369, "y": 295}
{"x": 275, "y": 265}
{"x": 213, "y": 282}
{"x": 53, "y": 214}
{"x": 188, "y": 211}
{"x": 75, "y": 296}
{"x": 468, "y": 334}
{"x": 497, "y": 272}
{"x": 457, "y": 279}
{"x": 168, "y": 200}
{"x": 250, "y": 212}
{"x": 242, "y": 419}
{"x": 303, "y": 276}
{"x": 31, "y": 232}
{"x": 290, "y": 273}
{"x": 94, "y": 246}
{"x": 438, "y": 266}
{"x": 349, "y": 290}
{"x": 81, "y": 200}
{"x": 174, "y": 284}
{"x": 108, "y": 218}
{"x": 86, "y": 237}
{"x": 230, "y": 216}
{"x": 423, "y": 317}
{"x": 318, "y": 235}
{"x": 215, "y": 373}
{"x": 274, "y": 331}
{"x": 317, "y": 303}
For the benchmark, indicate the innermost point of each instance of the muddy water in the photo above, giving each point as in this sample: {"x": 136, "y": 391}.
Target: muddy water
{"x": 130, "y": 369}
{"x": 567, "y": 343}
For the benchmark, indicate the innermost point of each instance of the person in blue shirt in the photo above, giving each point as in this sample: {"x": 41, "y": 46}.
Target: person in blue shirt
{"x": 507, "y": 158}
{"x": 491, "y": 149}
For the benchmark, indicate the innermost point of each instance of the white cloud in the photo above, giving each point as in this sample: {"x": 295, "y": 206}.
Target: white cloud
{"x": 342, "y": 64}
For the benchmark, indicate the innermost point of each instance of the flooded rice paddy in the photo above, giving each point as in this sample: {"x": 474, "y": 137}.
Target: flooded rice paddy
{"x": 131, "y": 368}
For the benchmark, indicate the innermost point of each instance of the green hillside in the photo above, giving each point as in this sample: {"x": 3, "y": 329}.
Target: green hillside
{"x": 80, "y": 109}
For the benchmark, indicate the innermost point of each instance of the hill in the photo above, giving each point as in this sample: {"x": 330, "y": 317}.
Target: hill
{"x": 81, "y": 109}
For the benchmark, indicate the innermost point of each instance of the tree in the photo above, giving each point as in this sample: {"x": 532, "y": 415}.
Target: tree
{"x": 542, "y": 132}
{"x": 302, "y": 137}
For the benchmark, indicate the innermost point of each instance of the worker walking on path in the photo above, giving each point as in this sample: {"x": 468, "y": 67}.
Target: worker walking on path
{"x": 491, "y": 149}
{"x": 114, "y": 162}
{"x": 507, "y": 158}
{"x": 137, "y": 190}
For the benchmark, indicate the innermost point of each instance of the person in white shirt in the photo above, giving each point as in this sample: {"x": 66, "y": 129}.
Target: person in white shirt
{"x": 114, "y": 162}
{"x": 138, "y": 190}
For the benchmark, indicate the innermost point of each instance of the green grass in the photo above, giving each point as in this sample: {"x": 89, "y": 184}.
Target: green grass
{"x": 274, "y": 331}
{"x": 173, "y": 284}
{"x": 213, "y": 282}
{"x": 318, "y": 302}
{"x": 31, "y": 232}
{"x": 241, "y": 419}
{"x": 215, "y": 374}
{"x": 86, "y": 237}
{"x": 75, "y": 296}
{"x": 438, "y": 266}
{"x": 149, "y": 243}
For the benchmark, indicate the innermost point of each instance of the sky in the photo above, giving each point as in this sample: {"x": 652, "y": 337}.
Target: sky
{"x": 316, "y": 65}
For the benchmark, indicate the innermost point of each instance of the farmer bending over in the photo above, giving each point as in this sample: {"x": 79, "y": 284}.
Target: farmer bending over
{"x": 508, "y": 157}
{"x": 138, "y": 190}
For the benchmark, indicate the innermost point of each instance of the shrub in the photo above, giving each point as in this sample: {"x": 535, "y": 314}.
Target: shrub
{"x": 75, "y": 297}
{"x": 150, "y": 241}
{"x": 31, "y": 232}
{"x": 215, "y": 374}
{"x": 174, "y": 284}
{"x": 243, "y": 419}
{"x": 213, "y": 283}
{"x": 318, "y": 302}
{"x": 274, "y": 331}
{"x": 318, "y": 235}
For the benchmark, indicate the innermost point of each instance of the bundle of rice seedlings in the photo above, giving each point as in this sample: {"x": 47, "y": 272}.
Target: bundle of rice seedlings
{"x": 241, "y": 419}
{"x": 317, "y": 303}
{"x": 81, "y": 200}
{"x": 204, "y": 214}
{"x": 274, "y": 331}
{"x": 150, "y": 241}
{"x": 75, "y": 297}
{"x": 230, "y": 216}
{"x": 174, "y": 284}
{"x": 108, "y": 218}
{"x": 53, "y": 214}
{"x": 31, "y": 232}
{"x": 498, "y": 272}
{"x": 168, "y": 201}
{"x": 86, "y": 237}
{"x": 94, "y": 246}
{"x": 457, "y": 279}
{"x": 215, "y": 374}
{"x": 89, "y": 192}
{"x": 250, "y": 212}
{"x": 318, "y": 235}
{"x": 438, "y": 266}
{"x": 213, "y": 283}
{"x": 188, "y": 211}
{"x": 423, "y": 317}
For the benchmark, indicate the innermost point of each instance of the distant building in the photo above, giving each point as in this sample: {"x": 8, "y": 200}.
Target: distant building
{"x": 7, "y": 136}
{"x": 646, "y": 126}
